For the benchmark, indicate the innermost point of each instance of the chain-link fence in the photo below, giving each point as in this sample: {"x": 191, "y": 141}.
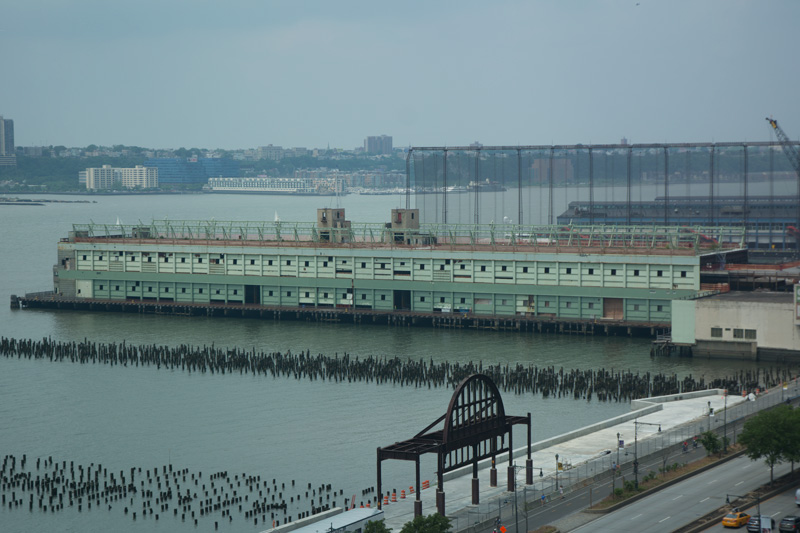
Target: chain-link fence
{"x": 726, "y": 422}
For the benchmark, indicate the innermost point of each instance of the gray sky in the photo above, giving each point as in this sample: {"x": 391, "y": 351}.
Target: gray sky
{"x": 246, "y": 73}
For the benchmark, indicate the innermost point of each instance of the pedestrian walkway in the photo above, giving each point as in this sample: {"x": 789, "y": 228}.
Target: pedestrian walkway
{"x": 589, "y": 452}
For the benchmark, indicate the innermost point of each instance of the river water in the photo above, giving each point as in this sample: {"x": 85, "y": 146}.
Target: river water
{"x": 312, "y": 432}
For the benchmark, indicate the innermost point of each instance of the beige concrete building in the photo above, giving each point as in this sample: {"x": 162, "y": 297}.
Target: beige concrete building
{"x": 100, "y": 178}
{"x": 742, "y": 325}
{"x": 138, "y": 176}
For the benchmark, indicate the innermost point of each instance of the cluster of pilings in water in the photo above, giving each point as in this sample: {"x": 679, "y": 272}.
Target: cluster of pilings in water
{"x": 602, "y": 384}
{"x": 160, "y": 493}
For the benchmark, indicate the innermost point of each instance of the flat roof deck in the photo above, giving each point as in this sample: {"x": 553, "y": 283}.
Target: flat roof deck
{"x": 644, "y": 240}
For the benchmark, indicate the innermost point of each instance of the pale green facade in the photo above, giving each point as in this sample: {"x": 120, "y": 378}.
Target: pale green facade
{"x": 632, "y": 287}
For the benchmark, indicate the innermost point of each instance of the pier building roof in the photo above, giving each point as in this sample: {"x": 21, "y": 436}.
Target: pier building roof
{"x": 588, "y": 239}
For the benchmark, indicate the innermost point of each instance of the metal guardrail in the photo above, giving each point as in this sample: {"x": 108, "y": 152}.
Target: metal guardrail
{"x": 601, "y": 467}
{"x": 699, "y": 239}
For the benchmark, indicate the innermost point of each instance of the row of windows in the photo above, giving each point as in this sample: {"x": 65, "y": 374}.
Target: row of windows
{"x": 427, "y": 301}
{"x": 401, "y": 268}
{"x": 738, "y": 333}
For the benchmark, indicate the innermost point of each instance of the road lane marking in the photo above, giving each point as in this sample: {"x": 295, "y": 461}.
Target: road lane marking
{"x": 701, "y": 501}
{"x": 745, "y": 467}
{"x": 738, "y": 483}
{"x": 713, "y": 481}
{"x": 637, "y": 516}
{"x": 675, "y": 498}
{"x": 667, "y": 518}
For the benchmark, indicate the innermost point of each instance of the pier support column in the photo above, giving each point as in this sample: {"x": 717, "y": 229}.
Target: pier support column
{"x": 418, "y": 501}
{"x": 529, "y": 471}
{"x": 493, "y": 475}
{"x": 529, "y": 459}
{"x": 440, "y": 501}
{"x": 475, "y": 482}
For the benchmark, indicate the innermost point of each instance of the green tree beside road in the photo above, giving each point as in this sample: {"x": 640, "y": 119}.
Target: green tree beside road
{"x": 434, "y": 523}
{"x": 378, "y": 526}
{"x": 774, "y": 436}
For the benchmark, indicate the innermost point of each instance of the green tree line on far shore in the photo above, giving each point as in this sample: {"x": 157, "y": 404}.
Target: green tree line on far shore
{"x": 60, "y": 174}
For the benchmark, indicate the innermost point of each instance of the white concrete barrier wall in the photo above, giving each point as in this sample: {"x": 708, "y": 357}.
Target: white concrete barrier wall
{"x": 641, "y": 408}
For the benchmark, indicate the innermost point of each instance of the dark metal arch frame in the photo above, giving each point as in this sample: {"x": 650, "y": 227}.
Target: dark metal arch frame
{"x": 474, "y": 428}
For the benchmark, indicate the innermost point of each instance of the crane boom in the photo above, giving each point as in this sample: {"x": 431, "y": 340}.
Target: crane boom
{"x": 789, "y": 148}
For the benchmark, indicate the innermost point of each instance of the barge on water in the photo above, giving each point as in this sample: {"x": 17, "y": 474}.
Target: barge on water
{"x": 581, "y": 279}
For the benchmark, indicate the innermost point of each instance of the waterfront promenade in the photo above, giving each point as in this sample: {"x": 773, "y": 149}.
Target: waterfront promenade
{"x": 587, "y": 454}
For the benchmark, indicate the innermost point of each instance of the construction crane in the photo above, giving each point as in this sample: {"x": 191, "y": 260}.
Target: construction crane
{"x": 790, "y": 149}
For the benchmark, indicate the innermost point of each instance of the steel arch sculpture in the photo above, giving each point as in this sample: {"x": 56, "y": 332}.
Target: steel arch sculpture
{"x": 474, "y": 428}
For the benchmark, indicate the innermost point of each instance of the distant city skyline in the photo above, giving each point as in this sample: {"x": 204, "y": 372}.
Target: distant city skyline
{"x": 249, "y": 73}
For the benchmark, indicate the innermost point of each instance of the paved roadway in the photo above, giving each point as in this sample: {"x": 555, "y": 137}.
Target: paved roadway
{"x": 689, "y": 500}
{"x": 777, "y": 507}
{"x": 583, "y": 498}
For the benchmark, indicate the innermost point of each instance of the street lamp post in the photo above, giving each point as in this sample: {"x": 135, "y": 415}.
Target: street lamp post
{"x": 614, "y": 473}
{"x": 758, "y": 502}
{"x": 556, "y": 471}
{"x": 636, "y": 425}
{"x": 525, "y": 502}
{"x": 516, "y": 509}
{"x": 635, "y": 455}
{"x": 725, "y": 425}
{"x": 710, "y": 414}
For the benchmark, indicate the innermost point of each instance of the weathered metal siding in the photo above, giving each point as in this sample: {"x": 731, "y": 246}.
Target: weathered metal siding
{"x": 568, "y": 285}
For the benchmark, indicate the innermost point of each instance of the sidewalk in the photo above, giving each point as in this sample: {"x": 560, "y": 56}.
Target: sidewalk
{"x": 653, "y": 424}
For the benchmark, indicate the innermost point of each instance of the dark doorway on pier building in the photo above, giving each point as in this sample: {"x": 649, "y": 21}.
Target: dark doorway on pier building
{"x": 402, "y": 300}
{"x": 613, "y": 308}
{"x": 252, "y": 294}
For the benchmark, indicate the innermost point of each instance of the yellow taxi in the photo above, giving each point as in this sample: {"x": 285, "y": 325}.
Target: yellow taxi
{"x": 735, "y": 519}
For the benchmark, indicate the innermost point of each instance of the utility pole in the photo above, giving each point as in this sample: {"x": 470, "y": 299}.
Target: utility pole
{"x": 557, "y": 472}
{"x": 636, "y": 425}
{"x": 725, "y": 424}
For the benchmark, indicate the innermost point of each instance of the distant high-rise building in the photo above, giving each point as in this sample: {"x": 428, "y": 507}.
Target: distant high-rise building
{"x": 269, "y": 152}
{"x": 194, "y": 170}
{"x": 107, "y": 176}
{"x": 138, "y": 176}
{"x": 7, "y": 155}
{"x": 100, "y": 178}
{"x": 378, "y": 145}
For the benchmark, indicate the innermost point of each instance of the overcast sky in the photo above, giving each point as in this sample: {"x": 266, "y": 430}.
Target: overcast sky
{"x": 247, "y": 73}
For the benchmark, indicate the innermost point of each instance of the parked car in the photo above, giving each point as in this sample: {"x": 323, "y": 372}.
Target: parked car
{"x": 735, "y": 519}
{"x": 754, "y": 525}
{"x": 790, "y": 524}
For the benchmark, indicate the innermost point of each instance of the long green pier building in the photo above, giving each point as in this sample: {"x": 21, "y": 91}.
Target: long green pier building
{"x": 621, "y": 275}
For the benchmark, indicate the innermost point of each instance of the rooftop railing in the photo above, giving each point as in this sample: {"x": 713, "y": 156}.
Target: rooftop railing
{"x": 700, "y": 239}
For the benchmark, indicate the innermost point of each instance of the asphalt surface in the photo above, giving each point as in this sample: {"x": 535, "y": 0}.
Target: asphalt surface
{"x": 559, "y": 511}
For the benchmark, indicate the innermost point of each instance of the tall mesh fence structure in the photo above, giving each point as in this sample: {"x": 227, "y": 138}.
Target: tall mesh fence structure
{"x": 749, "y": 184}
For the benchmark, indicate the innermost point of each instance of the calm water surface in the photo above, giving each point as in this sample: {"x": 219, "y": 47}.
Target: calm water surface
{"x": 312, "y": 432}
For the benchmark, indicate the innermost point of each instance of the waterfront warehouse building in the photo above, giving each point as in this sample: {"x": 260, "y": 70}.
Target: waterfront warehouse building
{"x": 754, "y": 325}
{"x": 617, "y": 274}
